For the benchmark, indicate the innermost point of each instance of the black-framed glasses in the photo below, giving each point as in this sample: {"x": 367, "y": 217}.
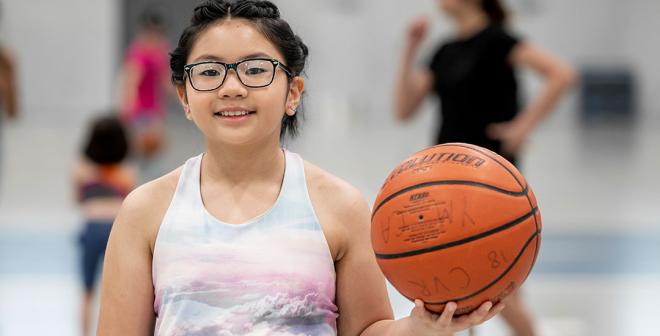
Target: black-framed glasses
{"x": 253, "y": 73}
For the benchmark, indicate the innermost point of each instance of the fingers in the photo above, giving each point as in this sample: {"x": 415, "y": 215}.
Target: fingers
{"x": 445, "y": 319}
{"x": 496, "y": 131}
{"x": 478, "y": 316}
{"x": 496, "y": 310}
{"x": 512, "y": 141}
{"x": 416, "y": 311}
{"x": 508, "y": 147}
{"x": 420, "y": 22}
{"x": 420, "y": 311}
{"x": 417, "y": 30}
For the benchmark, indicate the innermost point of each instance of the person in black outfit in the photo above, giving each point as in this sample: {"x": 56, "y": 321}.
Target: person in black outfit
{"x": 477, "y": 85}
{"x": 473, "y": 74}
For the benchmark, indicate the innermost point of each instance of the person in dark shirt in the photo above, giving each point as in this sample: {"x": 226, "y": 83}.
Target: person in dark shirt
{"x": 473, "y": 74}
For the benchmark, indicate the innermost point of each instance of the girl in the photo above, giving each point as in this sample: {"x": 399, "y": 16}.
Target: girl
{"x": 473, "y": 75}
{"x": 248, "y": 238}
{"x": 8, "y": 96}
{"x": 102, "y": 180}
{"x": 8, "y": 89}
{"x": 144, "y": 85}
{"x": 8, "y": 85}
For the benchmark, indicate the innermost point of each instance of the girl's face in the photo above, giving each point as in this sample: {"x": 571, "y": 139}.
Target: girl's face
{"x": 214, "y": 112}
{"x": 454, "y": 8}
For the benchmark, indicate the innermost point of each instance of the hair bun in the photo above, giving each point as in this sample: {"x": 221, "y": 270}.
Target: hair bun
{"x": 303, "y": 47}
{"x": 209, "y": 8}
{"x": 255, "y": 9}
{"x": 267, "y": 9}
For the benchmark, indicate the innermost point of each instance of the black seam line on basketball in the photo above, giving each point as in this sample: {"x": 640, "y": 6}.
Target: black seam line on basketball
{"x": 492, "y": 158}
{"x": 533, "y": 260}
{"x": 457, "y": 242}
{"x": 536, "y": 245}
{"x": 447, "y": 144}
{"x": 448, "y": 182}
{"x": 467, "y": 297}
{"x": 536, "y": 223}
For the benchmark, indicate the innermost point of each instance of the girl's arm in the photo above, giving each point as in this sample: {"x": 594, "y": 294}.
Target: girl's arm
{"x": 412, "y": 85}
{"x": 8, "y": 89}
{"x": 131, "y": 75}
{"x": 558, "y": 77}
{"x": 127, "y": 294}
{"x": 361, "y": 293}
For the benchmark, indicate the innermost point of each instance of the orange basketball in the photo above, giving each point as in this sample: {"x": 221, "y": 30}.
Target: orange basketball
{"x": 456, "y": 222}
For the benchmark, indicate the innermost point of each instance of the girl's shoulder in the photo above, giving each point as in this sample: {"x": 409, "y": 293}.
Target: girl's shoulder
{"x": 144, "y": 208}
{"x": 154, "y": 194}
{"x": 83, "y": 170}
{"x": 6, "y": 57}
{"x": 331, "y": 188}
{"x": 335, "y": 200}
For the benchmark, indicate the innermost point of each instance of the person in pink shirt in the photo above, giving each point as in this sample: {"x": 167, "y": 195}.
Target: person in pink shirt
{"x": 145, "y": 83}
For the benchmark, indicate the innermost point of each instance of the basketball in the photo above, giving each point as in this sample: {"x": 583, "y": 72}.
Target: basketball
{"x": 456, "y": 222}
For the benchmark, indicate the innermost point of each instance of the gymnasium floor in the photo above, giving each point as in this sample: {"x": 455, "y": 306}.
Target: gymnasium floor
{"x": 597, "y": 273}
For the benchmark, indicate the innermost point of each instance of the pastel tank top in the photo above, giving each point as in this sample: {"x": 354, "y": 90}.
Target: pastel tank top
{"x": 273, "y": 275}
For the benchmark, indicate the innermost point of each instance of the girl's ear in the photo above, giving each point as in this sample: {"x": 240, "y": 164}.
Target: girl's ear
{"x": 296, "y": 89}
{"x": 183, "y": 99}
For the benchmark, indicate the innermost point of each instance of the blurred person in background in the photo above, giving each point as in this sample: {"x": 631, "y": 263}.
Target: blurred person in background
{"x": 8, "y": 88}
{"x": 8, "y": 96}
{"x": 473, "y": 74}
{"x": 145, "y": 84}
{"x": 101, "y": 181}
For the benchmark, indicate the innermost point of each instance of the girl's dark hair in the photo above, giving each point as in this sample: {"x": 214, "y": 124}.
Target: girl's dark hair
{"x": 265, "y": 16}
{"x": 151, "y": 18}
{"x": 495, "y": 10}
{"x": 107, "y": 142}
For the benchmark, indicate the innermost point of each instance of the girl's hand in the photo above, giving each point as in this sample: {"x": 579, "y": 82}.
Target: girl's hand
{"x": 417, "y": 31}
{"x": 424, "y": 322}
{"x": 512, "y": 134}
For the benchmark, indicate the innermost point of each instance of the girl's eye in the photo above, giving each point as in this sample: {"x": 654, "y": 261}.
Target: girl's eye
{"x": 254, "y": 71}
{"x": 210, "y": 73}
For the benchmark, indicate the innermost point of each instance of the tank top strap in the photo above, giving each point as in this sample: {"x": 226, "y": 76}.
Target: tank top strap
{"x": 294, "y": 208}
{"x": 186, "y": 203}
{"x": 295, "y": 189}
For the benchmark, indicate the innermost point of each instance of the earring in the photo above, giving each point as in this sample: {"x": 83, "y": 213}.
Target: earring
{"x": 292, "y": 109}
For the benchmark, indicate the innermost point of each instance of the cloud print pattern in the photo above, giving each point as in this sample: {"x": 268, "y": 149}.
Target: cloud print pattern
{"x": 273, "y": 275}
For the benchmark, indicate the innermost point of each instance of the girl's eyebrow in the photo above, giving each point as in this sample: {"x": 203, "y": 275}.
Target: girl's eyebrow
{"x": 220, "y": 59}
